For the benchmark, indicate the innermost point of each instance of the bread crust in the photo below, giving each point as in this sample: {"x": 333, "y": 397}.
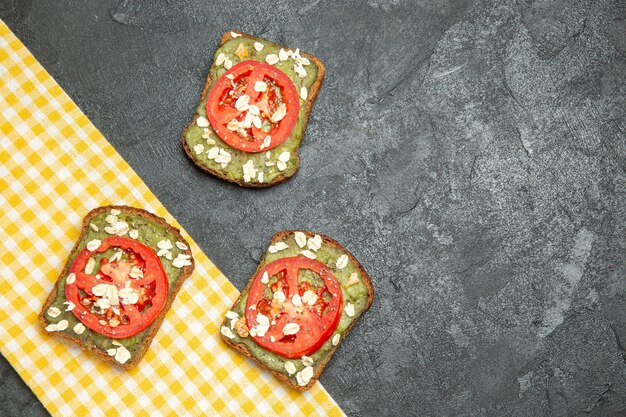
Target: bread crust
{"x": 240, "y": 347}
{"x": 185, "y": 273}
{"x": 309, "y": 106}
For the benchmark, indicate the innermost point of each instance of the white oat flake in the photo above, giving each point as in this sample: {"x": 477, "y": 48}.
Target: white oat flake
{"x": 99, "y": 289}
{"x": 265, "y": 278}
{"x": 307, "y": 361}
{"x": 342, "y": 261}
{"x": 213, "y": 152}
{"x": 164, "y": 252}
{"x": 103, "y": 303}
{"x": 62, "y": 325}
{"x": 300, "y": 239}
{"x": 335, "y": 340}
{"x": 309, "y": 297}
{"x": 91, "y": 263}
{"x": 115, "y": 212}
{"x": 299, "y": 69}
{"x": 279, "y": 296}
{"x": 79, "y": 328}
{"x": 93, "y": 227}
{"x": 308, "y": 254}
{"x": 284, "y": 157}
{"x": 249, "y": 171}
{"x": 122, "y": 355}
{"x": 235, "y": 34}
{"x": 262, "y": 319}
{"x": 71, "y": 278}
{"x": 54, "y": 312}
{"x": 92, "y": 245}
{"x": 291, "y": 328}
{"x": 266, "y": 142}
{"x": 198, "y": 148}
{"x": 261, "y": 329}
{"x": 349, "y": 309}
{"x": 181, "y": 246}
{"x": 277, "y": 247}
{"x": 258, "y": 46}
{"x": 221, "y": 58}
{"x": 260, "y": 86}
{"x": 283, "y": 55}
{"x": 255, "y": 111}
{"x": 304, "y": 376}
{"x": 296, "y": 300}
{"x": 202, "y": 122}
{"x": 290, "y": 368}
{"x": 165, "y": 244}
{"x": 231, "y": 315}
{"x": 120, "y": 228}
{"x": 315, "y": 243}
{"x": 281, "y": 245}
{"x": 272, "y": 59}
{"x": 304, "y": 93}
{"x": 134, "y": 234}
{"x": 135, "y": 272}
{"x": 181, "y": 261}
{"x": 242, "y": 102}
{"x": 279, "y": 114}
{"x": 226, "y": 331}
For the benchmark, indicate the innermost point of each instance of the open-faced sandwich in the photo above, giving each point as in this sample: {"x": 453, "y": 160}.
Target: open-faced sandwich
{"x": 253, "y": 111}
{"x": 119, "y": 281}
{"x": 305, "y": 296}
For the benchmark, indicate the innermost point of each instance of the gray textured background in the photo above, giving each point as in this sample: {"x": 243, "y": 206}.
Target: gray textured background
{"x": 470, "y": 154}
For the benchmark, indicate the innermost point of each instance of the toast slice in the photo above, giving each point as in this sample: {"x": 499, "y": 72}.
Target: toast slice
{"x": 263, "y": 168}
{"x": 357, "y": 296}
{"x": 57, "y": 314}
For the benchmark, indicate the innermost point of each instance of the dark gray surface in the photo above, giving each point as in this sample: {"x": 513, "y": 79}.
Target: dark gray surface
{"x": 470, "y": 154}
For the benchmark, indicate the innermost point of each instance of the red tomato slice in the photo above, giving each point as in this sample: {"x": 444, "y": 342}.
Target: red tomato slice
{"x": 317, "y": 319}
{"x": 108, "y": 300}
{"x": 243, "y": 116}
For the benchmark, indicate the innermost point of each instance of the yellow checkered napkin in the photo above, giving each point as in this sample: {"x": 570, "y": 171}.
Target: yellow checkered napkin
{"x": 54, "y": 167}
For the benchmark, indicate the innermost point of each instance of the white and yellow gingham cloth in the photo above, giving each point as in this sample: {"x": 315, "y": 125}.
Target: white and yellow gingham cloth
{"x": 55, "y": 167}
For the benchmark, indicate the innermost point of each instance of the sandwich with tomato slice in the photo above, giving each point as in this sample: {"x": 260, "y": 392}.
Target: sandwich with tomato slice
{"x": 119, "y": 281}
{"x": 305, "y": 296}
{"x": 253, "y": 111}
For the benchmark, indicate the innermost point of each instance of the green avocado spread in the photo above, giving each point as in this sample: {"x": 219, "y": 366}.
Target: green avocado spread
{"x": 201, "y": 140}
{"x": 149, "y": 233}
{"x": 356, "y": 294}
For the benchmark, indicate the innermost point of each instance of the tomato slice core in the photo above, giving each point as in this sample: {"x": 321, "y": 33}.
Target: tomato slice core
{"x": 253, "y": 107}
{"x": 122, "y": 297}
{"x": 315, "y": 310}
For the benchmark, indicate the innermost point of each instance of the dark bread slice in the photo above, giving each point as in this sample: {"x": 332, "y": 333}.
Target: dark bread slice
{"x": 312, "y": 95}
{"x": 320, "y": 366}
{"x": 185, "y": 273}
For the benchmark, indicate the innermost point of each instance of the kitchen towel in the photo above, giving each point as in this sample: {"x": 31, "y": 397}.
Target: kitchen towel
{"x": 55, "y": 166}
